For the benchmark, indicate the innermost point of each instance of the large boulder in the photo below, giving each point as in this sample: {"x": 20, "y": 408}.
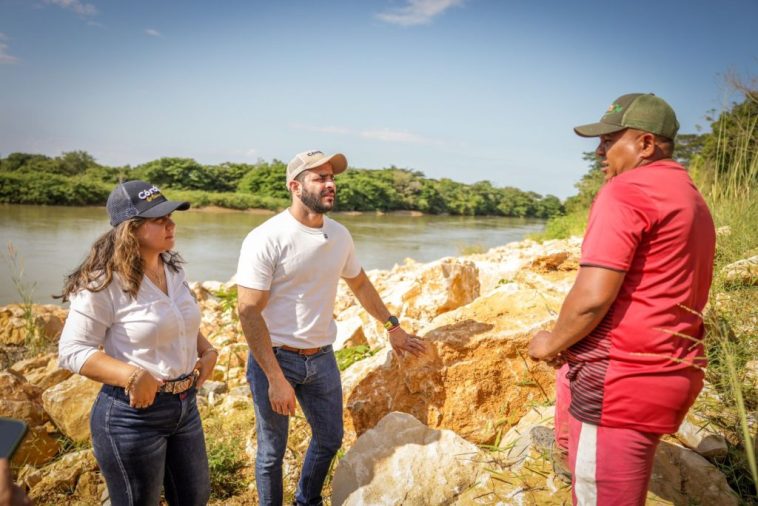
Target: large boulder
{"x": 698, "y": 434}
{"x": 19, "y": 399}
{"x": 69, "y": 404}
{"x": 416, "y": 293}
{"x": 683, "y": 477}
{"x": 503, "y": 264}
{"x": 42, "y": 371}
{"x": 63, "y": 476}
{"x": 473, "y": 379}
{"x": 401, "y": 461}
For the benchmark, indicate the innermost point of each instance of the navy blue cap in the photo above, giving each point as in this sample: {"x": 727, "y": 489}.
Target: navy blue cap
{"x": 138, "y": 199}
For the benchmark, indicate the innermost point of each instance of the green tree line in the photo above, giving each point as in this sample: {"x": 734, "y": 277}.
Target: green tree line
{"x": 75, "y": 178}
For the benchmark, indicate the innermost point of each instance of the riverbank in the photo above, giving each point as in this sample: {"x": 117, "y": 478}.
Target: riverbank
{"x": 473, "y": 393}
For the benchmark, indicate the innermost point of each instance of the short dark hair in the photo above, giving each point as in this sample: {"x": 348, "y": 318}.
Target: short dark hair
{"x": 300, "y": 178}
{"x": 665, "y": 144}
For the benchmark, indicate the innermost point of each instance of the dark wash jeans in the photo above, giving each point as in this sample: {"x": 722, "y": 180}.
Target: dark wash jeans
{"x": 138, "y": 450}
{"x": 317, "y": 384}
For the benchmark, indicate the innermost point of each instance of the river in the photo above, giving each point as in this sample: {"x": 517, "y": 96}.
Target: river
{"x": 51, "y": 240}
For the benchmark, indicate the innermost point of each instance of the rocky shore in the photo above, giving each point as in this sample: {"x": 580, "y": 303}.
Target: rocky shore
{"x": 467, "y": 423}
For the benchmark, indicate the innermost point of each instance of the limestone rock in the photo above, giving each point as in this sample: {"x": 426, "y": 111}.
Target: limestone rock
{"x": 42, "y": 371}
{"x": 743, "y": 272}
{"x": 90, "y": 487}
{"x": 69, "y": 404}
{"x": 515, "y": 446}
{"x": 697, "y": 434}
{"x": 474, "y": 377}
{"x": 349, "y": 328}
{"x": 401, "y": 461}
{"x": 231, "y": 403}
{"x": 527, "y": 480}
{"x": 416, "y": 293}
{"x": 37, "y": 448}
{"x": 440, "y": 287}
{"x": 62, "y": 476}
{"x": 217, "y": 387}
{"x": 682, "y": 476}
{"x": 562, "y": 261}
{"x": 20, "y": 399}
{"x": 502, "y": 264}
{"x": 47, "y": 320}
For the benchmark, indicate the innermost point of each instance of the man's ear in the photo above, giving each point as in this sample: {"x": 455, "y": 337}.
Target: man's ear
{"x": 293, "y": 186}
{"x": 646, "y": 144}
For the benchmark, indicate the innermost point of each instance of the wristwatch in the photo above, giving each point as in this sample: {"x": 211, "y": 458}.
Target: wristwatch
{"x": 391, "y": 322}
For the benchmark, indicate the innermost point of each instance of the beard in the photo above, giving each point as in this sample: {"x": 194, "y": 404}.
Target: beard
{"x": 312, "y": 201}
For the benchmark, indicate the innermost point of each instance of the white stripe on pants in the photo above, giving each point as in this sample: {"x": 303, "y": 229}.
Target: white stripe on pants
{"x": 585, "y": 483}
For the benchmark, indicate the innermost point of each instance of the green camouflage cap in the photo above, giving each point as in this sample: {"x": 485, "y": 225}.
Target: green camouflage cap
{"x": 641, "y": 111}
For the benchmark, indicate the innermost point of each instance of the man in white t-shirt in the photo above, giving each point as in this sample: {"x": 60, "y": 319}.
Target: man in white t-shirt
{"x": 287, "y": 278}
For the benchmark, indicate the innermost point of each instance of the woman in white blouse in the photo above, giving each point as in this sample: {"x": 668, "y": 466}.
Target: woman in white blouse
{"x": 134, "y": 326}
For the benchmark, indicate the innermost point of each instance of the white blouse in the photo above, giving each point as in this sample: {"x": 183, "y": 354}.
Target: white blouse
{"x": 155, "y": 331}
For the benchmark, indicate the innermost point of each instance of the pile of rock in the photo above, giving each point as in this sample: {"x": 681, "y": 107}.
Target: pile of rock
{"x": 415, "y": 427}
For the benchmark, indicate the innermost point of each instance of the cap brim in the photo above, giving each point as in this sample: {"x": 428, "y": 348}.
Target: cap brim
{"x": 164, "y": 208}
{"x": 337, "y": 160}
{"x": 597, "y": 129}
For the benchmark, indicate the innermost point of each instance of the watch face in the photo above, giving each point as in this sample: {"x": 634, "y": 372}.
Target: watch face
{"x": 392, "y": 321}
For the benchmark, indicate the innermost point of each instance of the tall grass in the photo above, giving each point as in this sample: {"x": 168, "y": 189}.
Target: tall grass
{"x": 34, "y": 341}
{"x": 731, "y": 336}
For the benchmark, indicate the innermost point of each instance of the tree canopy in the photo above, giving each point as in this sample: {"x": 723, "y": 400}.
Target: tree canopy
{"x": 75, "y": 178}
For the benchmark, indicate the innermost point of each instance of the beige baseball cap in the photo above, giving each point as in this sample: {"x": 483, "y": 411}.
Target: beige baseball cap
{"x": 312, "y": 159}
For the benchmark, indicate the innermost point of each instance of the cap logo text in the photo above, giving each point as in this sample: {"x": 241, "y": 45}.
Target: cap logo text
{"x": 311, "y": 153}
{"x": 149, "y": 194}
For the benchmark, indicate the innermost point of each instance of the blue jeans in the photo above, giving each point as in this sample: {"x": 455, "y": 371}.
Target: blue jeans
{"x": 138, "y": 450}
{"x": 318, "y": 388}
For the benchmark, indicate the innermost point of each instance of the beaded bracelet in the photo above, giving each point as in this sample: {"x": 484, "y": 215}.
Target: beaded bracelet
{"x": 132, "y": 379}
{"x": 208, "y": 350}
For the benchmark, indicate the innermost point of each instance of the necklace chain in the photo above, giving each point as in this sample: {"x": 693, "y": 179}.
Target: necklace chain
{"x": 159, "y": 276}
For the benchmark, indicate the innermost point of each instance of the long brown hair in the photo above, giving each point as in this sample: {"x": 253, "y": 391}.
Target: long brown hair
{"x": 114, "y": 252}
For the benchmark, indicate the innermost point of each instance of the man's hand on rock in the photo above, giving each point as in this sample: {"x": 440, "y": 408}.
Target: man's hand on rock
{"x": 402, "y": 343}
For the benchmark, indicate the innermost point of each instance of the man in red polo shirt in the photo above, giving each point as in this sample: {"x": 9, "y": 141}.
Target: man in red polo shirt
{"x": 629, "y": 328}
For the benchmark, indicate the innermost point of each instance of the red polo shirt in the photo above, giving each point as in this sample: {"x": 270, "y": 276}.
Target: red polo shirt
{"x": 641, "y": 367}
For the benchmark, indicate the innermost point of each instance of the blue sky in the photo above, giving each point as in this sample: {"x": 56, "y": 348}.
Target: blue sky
{"x": 465, "y": 89}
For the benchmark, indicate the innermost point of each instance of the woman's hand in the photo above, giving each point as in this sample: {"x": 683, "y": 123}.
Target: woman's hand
{"x": 205, "y": 365}
{"x": 143, "y": 390}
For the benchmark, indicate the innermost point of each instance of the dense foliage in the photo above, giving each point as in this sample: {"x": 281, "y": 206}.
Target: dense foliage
{"x": 75, "y": 178}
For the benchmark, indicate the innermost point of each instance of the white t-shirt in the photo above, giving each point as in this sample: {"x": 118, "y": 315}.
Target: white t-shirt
{"x": 300, "y": 267}
{"x": 155, "y": 331}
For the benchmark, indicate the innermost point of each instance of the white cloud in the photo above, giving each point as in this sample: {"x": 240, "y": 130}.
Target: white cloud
{"x": 417, "y": 12}
{"x": 153, "y": 32}
{"x": 252, "y": 152}
{"x": 387, "y": 135}
{"x": 83, "y": 9}
{"x": 5, "y": 57}
{"x": 382, "y": 134}
{"x": 322, "y": 129}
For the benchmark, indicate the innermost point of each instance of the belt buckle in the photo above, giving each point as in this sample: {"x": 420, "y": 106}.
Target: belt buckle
{"x": 182, "y": 385}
